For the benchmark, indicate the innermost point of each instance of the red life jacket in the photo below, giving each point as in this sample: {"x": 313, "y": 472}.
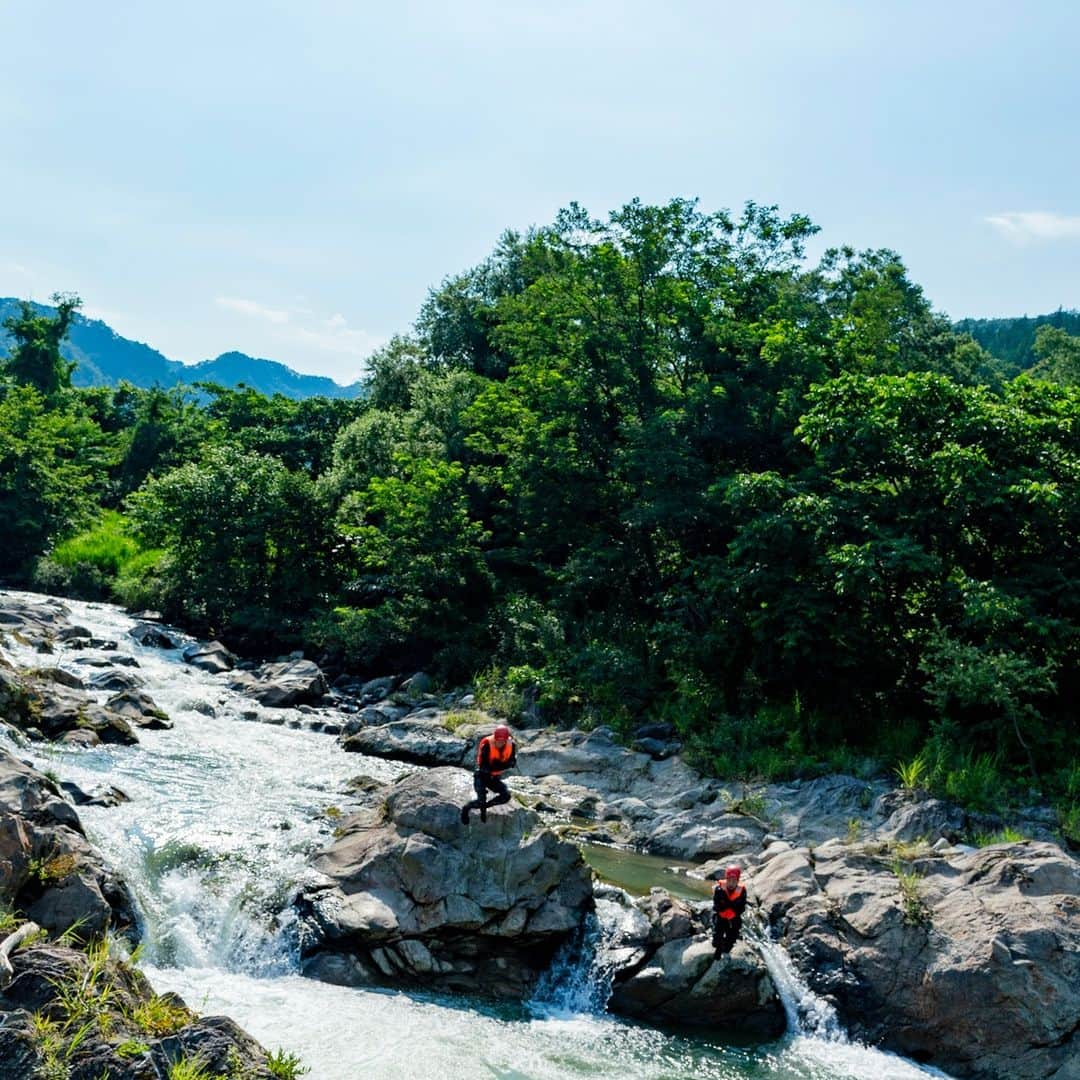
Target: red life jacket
{"x": 731, "y": 897}
{"x": 496, "y": 757}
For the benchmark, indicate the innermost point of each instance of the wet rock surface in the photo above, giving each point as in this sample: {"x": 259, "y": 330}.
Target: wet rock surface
{"x": 48, "y": 870}
{"x": 282, "y": 685}
{"x": 663, "y": 967}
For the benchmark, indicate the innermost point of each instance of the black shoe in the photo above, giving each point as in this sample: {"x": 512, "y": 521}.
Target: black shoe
{"x": 464, "y": 815}
{"x": 483, "y": 813}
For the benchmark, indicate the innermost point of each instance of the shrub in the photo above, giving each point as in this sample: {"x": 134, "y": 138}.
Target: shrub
{"x": 189, "y": 1069}
{"x": 1008, "y": 835}
{"x": 915, "y": 910}
{"x": 284, "y": 1066}
{"x": 106, "y": 546}
{"x": 160, "y": 1016}
{"x": 913, "y": 774}
{"x": 140, "y": 581}
{"x": 976, "y": 781}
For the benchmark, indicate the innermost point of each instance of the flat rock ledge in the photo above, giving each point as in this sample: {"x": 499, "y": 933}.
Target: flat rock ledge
{"x": 412, "y": 897}
{"x": 967, "y": 960}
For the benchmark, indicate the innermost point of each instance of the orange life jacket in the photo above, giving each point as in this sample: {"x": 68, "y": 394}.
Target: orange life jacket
{"x": 730, "y": 913}
{"x": 496, "y": 757}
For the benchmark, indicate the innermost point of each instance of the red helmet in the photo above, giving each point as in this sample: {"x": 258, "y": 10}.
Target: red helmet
{"x": 502, "y": 732}
{"x": 733, "y": 871}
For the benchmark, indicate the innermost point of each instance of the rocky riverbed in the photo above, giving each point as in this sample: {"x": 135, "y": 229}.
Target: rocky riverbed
{"x": 963, "y": 957}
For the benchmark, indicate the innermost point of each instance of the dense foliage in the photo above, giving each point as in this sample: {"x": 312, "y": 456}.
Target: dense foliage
{"x": 1013, "y": 341}
{"x": 653, "y": 467}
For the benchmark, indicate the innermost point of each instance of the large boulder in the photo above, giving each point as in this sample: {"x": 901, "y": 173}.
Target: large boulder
{"x": 48, "y": 870}
{"x": 415, "y": 897}
{"x": 57, "y": 710}
{"x": 209, "y": 656}
{"x": 970, "y": 961}
{"x": 663, "y": 968}
{"x": 153, "y": 637}
{"x": 421, "y": 742}
{"x": 282, "y": 685}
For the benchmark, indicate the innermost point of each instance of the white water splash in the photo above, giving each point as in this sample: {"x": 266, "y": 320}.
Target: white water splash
{"x": 807, "y": 1013}
{"x": 579, "y": 979}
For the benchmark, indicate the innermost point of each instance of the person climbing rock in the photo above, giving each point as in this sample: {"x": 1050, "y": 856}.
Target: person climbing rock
{"x": 729, "y": 902}
{"x": 494, "y": 755}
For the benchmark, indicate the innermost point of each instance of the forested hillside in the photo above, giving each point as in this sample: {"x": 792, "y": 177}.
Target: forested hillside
{"x": 658, "y": 466}
{"x": 1013, "y": 340}
{"x": 103, "y": 357}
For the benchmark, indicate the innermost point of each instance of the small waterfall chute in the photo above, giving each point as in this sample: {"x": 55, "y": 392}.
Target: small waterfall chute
{"x": 579, "y": 978}
{"x": 807, "y": 1013}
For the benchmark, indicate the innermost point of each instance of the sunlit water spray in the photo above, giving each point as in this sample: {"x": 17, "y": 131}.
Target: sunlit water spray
{"x": 223, "y": 818}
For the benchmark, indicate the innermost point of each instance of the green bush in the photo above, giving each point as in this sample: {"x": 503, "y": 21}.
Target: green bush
{"x": 975, "y": 781}
{"x": 285, "y": 1066}
{"x": 140, "y": 581}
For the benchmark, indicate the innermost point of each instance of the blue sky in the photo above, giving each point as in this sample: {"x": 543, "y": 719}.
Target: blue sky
{"x": 289, "y": 179}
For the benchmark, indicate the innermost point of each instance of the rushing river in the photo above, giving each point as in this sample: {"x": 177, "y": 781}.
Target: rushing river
{"x": 225, "y": 811}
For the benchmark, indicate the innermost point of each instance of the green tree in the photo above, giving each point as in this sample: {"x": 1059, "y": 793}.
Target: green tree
{"x": 36, "y": 361}
{"x": 419, "y": 585}
{"x": 245, "y": 541}
{"x": 53, "y": 465}
{"x": 1058, "y": 355}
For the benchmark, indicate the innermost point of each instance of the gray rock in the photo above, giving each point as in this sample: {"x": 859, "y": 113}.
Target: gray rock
{"x": 663, "y": 968}
{"x": 976, "y": 971}
{"x": 282, "y": 685}
{"x": 419, "y": 899}
{"x": 417, "y": 741}
{"x": 115, "y": 680}
{"x": 106, "y": 797}
{"x": 152, "y": 636}
{"x": 209, "y": 656}
{"x": 139, "y": 709}
{"x": 47, "y": 868}
{"x": 43, "y": 971}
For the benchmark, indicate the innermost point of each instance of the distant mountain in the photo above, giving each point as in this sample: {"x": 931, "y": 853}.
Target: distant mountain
{"x": 104, "y": 358}
{"x": 1013, "y": 340}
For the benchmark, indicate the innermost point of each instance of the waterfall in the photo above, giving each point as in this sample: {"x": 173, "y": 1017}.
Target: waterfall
{"x": 579, "y": 978}
{"x": 807, "y": 1013}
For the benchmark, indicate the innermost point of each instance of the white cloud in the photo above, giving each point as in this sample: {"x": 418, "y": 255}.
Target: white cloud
{"x": 1024, "y": 226}
{"x": 252, "y": 308}
{"x": 301, "y": 338}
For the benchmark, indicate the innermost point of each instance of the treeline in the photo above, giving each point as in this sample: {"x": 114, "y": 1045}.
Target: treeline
{"x": 1016, "y": 341}
{"x": 654, "y": 467}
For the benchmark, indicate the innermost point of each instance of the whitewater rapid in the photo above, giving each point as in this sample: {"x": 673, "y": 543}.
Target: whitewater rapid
{"x": 226, "y": 809}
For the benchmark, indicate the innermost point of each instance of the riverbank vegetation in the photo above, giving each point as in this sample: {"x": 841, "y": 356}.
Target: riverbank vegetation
{"x": 659, "y": 467}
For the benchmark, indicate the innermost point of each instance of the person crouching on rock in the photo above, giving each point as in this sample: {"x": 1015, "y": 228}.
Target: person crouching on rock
{"x": 494, "y": 755}
{"x": 728, "y": 903}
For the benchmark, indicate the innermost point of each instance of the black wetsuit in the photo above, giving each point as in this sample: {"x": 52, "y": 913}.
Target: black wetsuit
{"x": 727, "y": 916}
{"x": 486, "y": 779}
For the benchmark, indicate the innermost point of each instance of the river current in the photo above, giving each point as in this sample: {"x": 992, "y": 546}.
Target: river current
{"x": 224, "y": 813}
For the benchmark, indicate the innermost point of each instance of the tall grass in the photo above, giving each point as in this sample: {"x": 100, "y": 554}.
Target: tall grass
{"x": 106, "y": 545}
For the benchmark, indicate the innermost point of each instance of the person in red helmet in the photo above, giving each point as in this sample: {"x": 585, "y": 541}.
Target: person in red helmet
{"x": 494, "y": 756}
{"x": 729, "y": 903}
